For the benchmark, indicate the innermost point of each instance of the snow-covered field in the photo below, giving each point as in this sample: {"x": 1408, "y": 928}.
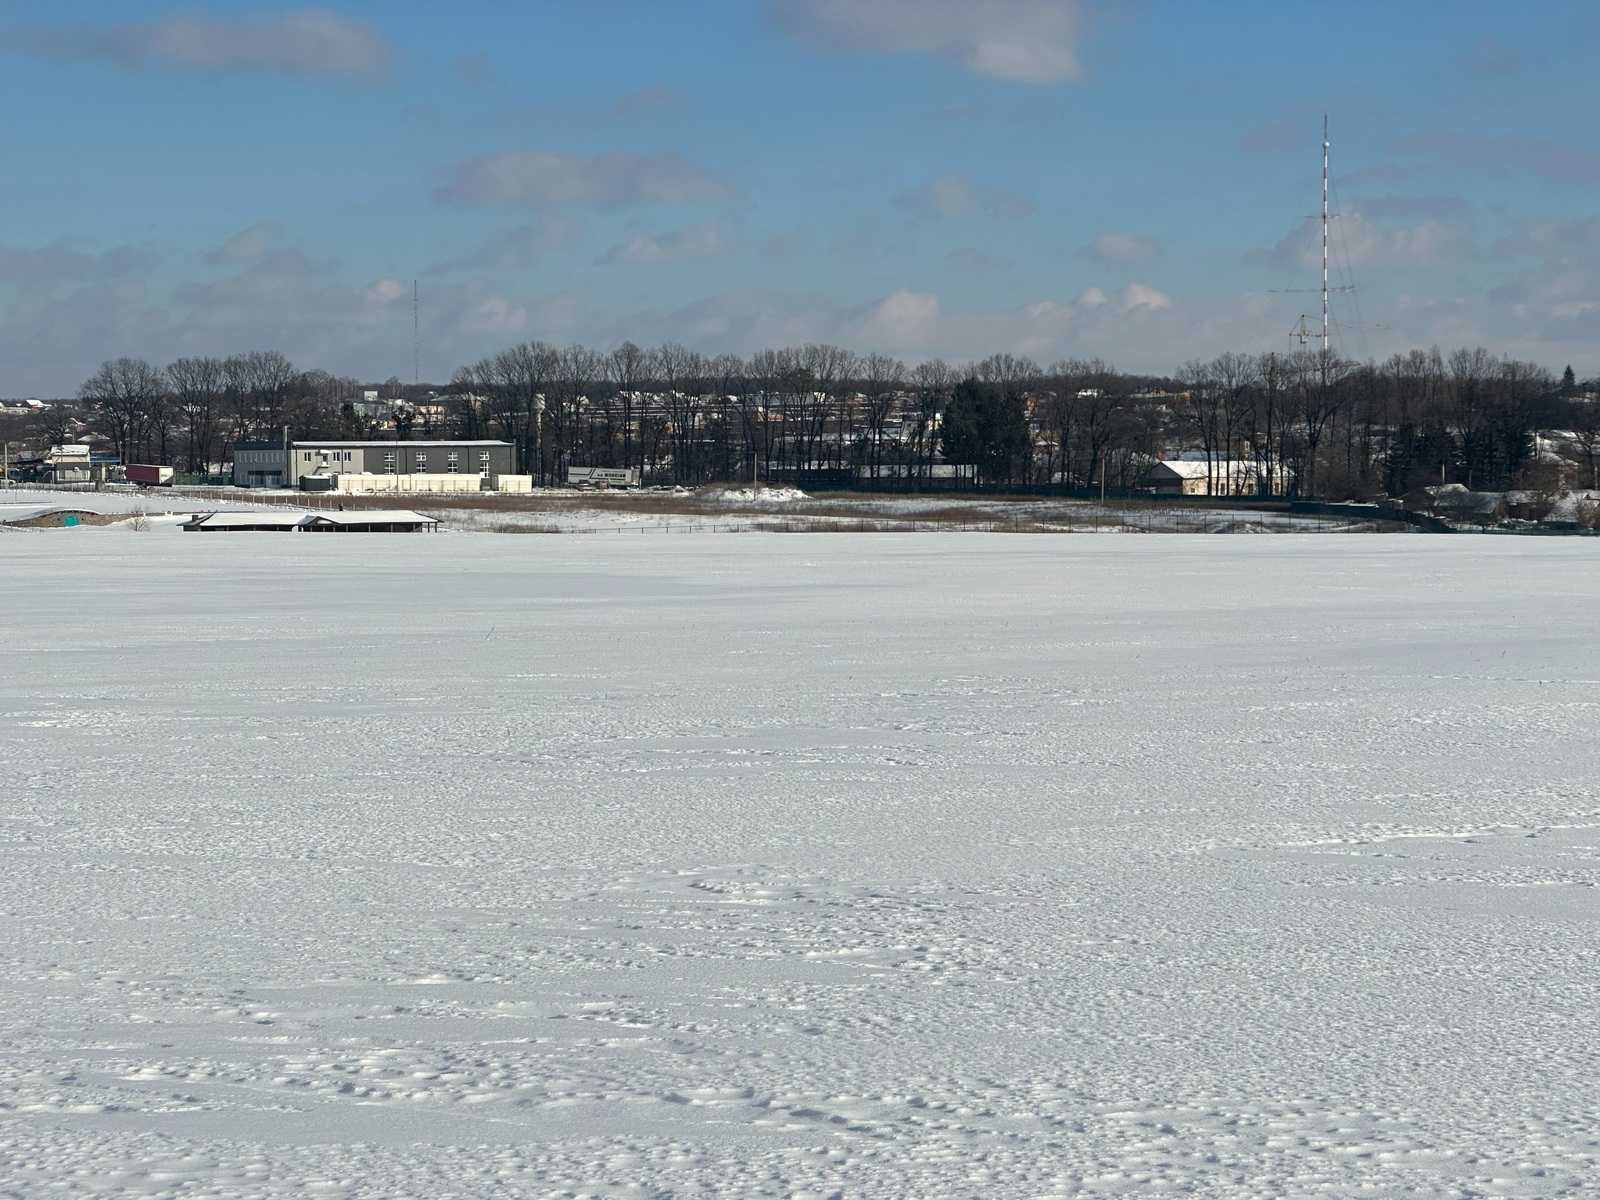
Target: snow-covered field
{"x": 890, "y": 866}
{"x": 712, "y": 510}
{"x": 788, "y": 510}
{"x": 19, "y": 503}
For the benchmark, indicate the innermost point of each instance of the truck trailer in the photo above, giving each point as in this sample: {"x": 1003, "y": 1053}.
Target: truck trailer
{"x": 147, "y": 475}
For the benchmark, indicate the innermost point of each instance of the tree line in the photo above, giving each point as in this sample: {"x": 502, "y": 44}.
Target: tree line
{"x": 1304, "y": 422}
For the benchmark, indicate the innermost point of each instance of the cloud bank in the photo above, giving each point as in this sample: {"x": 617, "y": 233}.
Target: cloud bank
{"x": 542, "y": 178}
{"x": 306, "y": 41}
{"x": 1021, "y": 41}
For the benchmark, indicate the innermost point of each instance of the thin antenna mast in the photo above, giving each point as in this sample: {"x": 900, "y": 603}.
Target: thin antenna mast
{"x": 1324, "y": 236}
{"x": 416, "y": 341}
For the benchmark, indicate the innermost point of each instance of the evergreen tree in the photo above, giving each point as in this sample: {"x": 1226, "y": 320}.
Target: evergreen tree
{"x": 986, "y": 427}
{"x": 1569, "y": 381}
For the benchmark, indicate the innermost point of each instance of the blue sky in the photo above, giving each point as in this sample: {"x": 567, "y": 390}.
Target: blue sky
{"x": 1087, "y": 178}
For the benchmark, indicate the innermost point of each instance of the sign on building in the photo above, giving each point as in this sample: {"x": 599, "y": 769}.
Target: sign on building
{"x": 606, "y": 476}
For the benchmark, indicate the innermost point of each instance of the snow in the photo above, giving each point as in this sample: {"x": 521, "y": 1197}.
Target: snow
{"x": 1570, "y": 506}
{"x": 580, "y": 513}
{"x": 27, "y": 512}
{"x": 890, "y": 866}
{"x": 755, "y": 495}
{"x": 370, "y": 516}
{"x": 124, "y": 500}
{"x": 285, "y": 518}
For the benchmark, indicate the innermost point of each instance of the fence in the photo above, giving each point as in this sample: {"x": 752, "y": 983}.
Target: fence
{"x": 1144, "y": 515}
{"x": 222, "y": 495}
{"x": 1152, "y": 521}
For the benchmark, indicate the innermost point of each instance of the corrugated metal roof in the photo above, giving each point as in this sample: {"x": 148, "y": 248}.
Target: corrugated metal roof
{"x": 244, "y": 520}
{"x": 372, "y": 516}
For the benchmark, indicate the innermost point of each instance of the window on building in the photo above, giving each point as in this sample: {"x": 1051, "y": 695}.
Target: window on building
{"x": 483, "y": 460}
{"x": 452, "y": 462}
{"x": 388, "y": 462}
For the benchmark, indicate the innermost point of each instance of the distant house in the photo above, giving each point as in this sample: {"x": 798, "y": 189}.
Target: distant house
{"x": 77, "y": 463}
{"x": 1219, "y": 477}
{"x": 1460, "y": 505}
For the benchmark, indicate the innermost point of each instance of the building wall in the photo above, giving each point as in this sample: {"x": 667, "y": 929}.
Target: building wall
{"x": 1244, "y": 481}
{"x": 367, "y": 484}
{"x": 259, "y": 468}
{"x": 404, "y": 458}
{"x": 272, "y": 467}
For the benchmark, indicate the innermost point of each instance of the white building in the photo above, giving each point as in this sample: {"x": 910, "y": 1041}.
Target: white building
{"x": 1216, "y": 477}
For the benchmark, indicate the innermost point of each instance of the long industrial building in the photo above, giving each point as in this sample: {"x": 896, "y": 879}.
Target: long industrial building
{"x": 284, "y": 464}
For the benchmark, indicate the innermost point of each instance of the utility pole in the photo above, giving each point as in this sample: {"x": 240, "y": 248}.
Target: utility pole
{"x": 416, "y": 351}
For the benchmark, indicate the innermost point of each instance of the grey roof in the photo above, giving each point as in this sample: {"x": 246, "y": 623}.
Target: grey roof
{"x": 372, "y": 516}
{"x": 299, "y": 518}
{"x": 245, "y": 520}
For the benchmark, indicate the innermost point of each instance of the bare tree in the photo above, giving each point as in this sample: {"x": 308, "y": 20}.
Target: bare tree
{"x": 763, "y": 405}
{"x": 682, "y": 377}
{"x": 198, "y": 389}
{"x": 881, "y": 380}
{"x": 123, "y": 393}
{"x": 932, "y": 382}
{"x": 1584, "y": 418}
{"x": 1202, "y": 406}
{"x": 466, "y": 401}
{"x": 727, "y": 379}
{"x": 1271, "y": 418}
{"x": 628, "y": 369}
{"x": 1235, "y": 377}
{"x": 575, "y": 371}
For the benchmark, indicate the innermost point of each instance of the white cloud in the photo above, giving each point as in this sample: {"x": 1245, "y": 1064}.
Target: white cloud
{"x": 306, "y": 41}
{"x": 646, "y": 99}
{"x": 1547, "y": 158}
{"x": 1564, "y": 241}
{"x": 386, "y": 291}
{"x": 918, "y": 324}
{"x": 902, "y": 319}
{"x": 248, "y": 244}
{"x": 1357, "y": 241}
{"x": 961, "y": 196}
{"x": 1122, "y": 247}
{"x": 1024, "y": 41}
{"x": 1137, "y": 296}
{"x": 518, "y": 249}
{"x": 539, "y": 178}
{"x": 61, "y": 262}
{"x": 496, "y": 314}
{"x": 702, "y": 241}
